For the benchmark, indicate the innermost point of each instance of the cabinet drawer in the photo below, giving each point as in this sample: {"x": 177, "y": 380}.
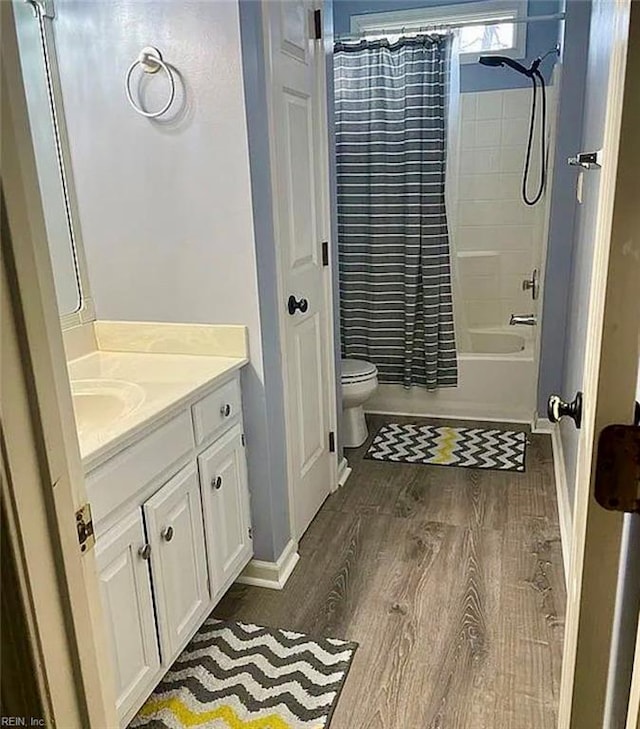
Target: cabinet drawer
{"x": 217, "y": 411}
{"x": 112, "y": 483}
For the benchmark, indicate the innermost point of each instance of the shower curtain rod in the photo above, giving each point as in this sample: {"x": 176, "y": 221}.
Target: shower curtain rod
{"x": 446, "y": 26}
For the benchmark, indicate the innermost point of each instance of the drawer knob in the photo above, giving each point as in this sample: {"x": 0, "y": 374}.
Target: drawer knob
{"x": 225, "y": 410}
{"x": 167, "y": 534}
{"x": 145, "y": 551}
{"x": 216, "y": 482}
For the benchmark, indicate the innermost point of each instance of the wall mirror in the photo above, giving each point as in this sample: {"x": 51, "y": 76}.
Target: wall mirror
{"x": 48, "y": 131}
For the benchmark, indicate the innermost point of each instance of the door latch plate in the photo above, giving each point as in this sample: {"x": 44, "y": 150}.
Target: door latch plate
{"x": 586, "y": 160}
{"x": 617, "y": 483}
{"x": 84, "y": 525}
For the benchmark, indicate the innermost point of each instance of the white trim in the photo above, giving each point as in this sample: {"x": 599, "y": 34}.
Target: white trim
{"x": 587, "y": 520}
{"x": 565, "y": 517}
{"x": 415, "y": 19}
{"x": 272, "y": 575}
{"x": 344, "y": 471}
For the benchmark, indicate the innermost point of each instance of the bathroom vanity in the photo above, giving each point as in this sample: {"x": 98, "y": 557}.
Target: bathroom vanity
{"x": 162, "y": 442}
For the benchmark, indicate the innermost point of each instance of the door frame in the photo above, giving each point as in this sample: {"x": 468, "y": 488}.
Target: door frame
{"x": 593, "y": 573}
{"x": 40, "y": 445}
{"x": 325, "y": 209}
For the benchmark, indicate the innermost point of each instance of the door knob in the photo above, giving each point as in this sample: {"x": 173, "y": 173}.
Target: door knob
{"x": 557, "y": 408}
{"x": 167, "y": 534}
{"x": 145, "y": 551}
{"x": 294, "y": 305}
{"x": 216, "y": 482}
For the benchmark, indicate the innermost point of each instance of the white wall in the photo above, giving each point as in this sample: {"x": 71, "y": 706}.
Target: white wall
{"x": 165, "y": 206}
{"x": 498, "y": 239}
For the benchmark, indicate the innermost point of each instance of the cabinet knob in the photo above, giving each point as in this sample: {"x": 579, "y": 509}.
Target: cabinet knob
{"x": 145, "y": 551}
{"x": 216, "y": 482}
{"x": 225, "y": 410}
{"x": 167, "y": 534}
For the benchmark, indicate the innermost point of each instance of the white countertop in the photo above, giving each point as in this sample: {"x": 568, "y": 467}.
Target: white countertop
{"x": 147, "y": 385}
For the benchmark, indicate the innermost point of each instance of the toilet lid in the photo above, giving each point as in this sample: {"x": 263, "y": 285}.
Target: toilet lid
{"x": 357, "y": 370}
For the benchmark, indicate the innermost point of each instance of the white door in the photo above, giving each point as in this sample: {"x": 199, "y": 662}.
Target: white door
{"x": 173, "y": 518}
{"x": 603, "y": 358}
{"x": 125, "y": 582}
{"x": 297, "y": 126}
{"x": 225, "y": 502}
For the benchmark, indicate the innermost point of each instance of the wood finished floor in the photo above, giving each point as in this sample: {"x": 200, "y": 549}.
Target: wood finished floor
{"x": 452, "y": 582}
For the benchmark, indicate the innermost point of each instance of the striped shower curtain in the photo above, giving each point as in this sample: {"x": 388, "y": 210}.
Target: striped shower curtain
{"x": 395, "y": 274}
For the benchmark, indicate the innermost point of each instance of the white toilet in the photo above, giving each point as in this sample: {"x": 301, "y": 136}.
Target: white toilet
{"x": 359, "y": 382}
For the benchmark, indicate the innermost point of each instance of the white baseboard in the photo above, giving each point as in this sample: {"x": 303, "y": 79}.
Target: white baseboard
{"x": 543, "y": 425}
{"x": 272, "y": 575}
{"x": 344, "y": 471}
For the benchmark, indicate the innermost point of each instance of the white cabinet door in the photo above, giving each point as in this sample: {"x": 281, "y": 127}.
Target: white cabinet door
{"x": 174, "y": 526}
{"x": 125, "y": 585}
{"x": 225, "y": 499}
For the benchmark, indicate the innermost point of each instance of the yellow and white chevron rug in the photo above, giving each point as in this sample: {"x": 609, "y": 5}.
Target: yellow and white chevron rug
{"x": 242, "y": 676}
{"x": 499, "y": 450}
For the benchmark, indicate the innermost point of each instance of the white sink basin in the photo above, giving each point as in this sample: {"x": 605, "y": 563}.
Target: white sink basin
{"x": 100, "y": 403}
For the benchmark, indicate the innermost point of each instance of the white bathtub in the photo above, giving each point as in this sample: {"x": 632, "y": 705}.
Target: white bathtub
{"x": 496, "y": 342}
{"x": 497, "y": 385}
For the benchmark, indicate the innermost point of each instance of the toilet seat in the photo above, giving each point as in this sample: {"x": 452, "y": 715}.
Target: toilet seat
{"x": 357, "y": 370}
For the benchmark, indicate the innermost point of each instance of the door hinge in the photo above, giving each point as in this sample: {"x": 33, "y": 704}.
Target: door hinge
{"x": 244, "y": 440}
{"x": 84, "y": 525}
{"x": 325, "y": 252}
{"x": 250, "y": 532}
{"x": 332, "y": 442}
{"x": 617, "y": 481}
{"x": 317, "y": 24}
{"x": 586, "y": 160}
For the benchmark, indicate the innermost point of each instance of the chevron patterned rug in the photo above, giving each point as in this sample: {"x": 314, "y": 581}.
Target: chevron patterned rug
{"x": 500, "y": 450}
{"x": 241, "y": 676}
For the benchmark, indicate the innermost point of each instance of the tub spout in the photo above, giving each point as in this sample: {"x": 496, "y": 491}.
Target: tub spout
{"x": 529, "y": 320}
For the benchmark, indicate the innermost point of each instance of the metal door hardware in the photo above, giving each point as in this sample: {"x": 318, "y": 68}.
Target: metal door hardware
{"x": 617, "y": 482}
{"x": 557, "y": 408}
{"x": 294, "y": 305}
{"x": 84, "y": 525}
{"x": 167, "y": 534}
{"x": 225, "y": 410}
{"x": 145, "y": 551}
{"x": 586, "y": 160}
{"x": 532, "y": 284}
{"x": 216, "y": 482}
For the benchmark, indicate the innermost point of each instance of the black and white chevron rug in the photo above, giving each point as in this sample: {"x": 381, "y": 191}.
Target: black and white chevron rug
{"x": 501, "y": 450}
{"x": 241, "y": 676}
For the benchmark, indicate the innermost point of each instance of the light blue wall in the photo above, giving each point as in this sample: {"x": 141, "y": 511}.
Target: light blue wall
{"x": 269, "y": 502}
{"x": 541, "y": 37}
{"x": 560, "y": 250}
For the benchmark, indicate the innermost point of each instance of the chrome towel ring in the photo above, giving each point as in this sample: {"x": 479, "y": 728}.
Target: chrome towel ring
{"x": 150, "y": 60}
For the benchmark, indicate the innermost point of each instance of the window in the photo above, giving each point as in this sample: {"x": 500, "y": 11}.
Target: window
{"x": 476, "y": 38}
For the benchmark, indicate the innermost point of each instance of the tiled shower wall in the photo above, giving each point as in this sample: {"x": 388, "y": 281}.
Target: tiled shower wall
{"x": 497, "y": 240}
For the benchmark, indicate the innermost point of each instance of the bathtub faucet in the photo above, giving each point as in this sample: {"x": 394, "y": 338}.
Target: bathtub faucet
{"x": 529, "y": 320}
